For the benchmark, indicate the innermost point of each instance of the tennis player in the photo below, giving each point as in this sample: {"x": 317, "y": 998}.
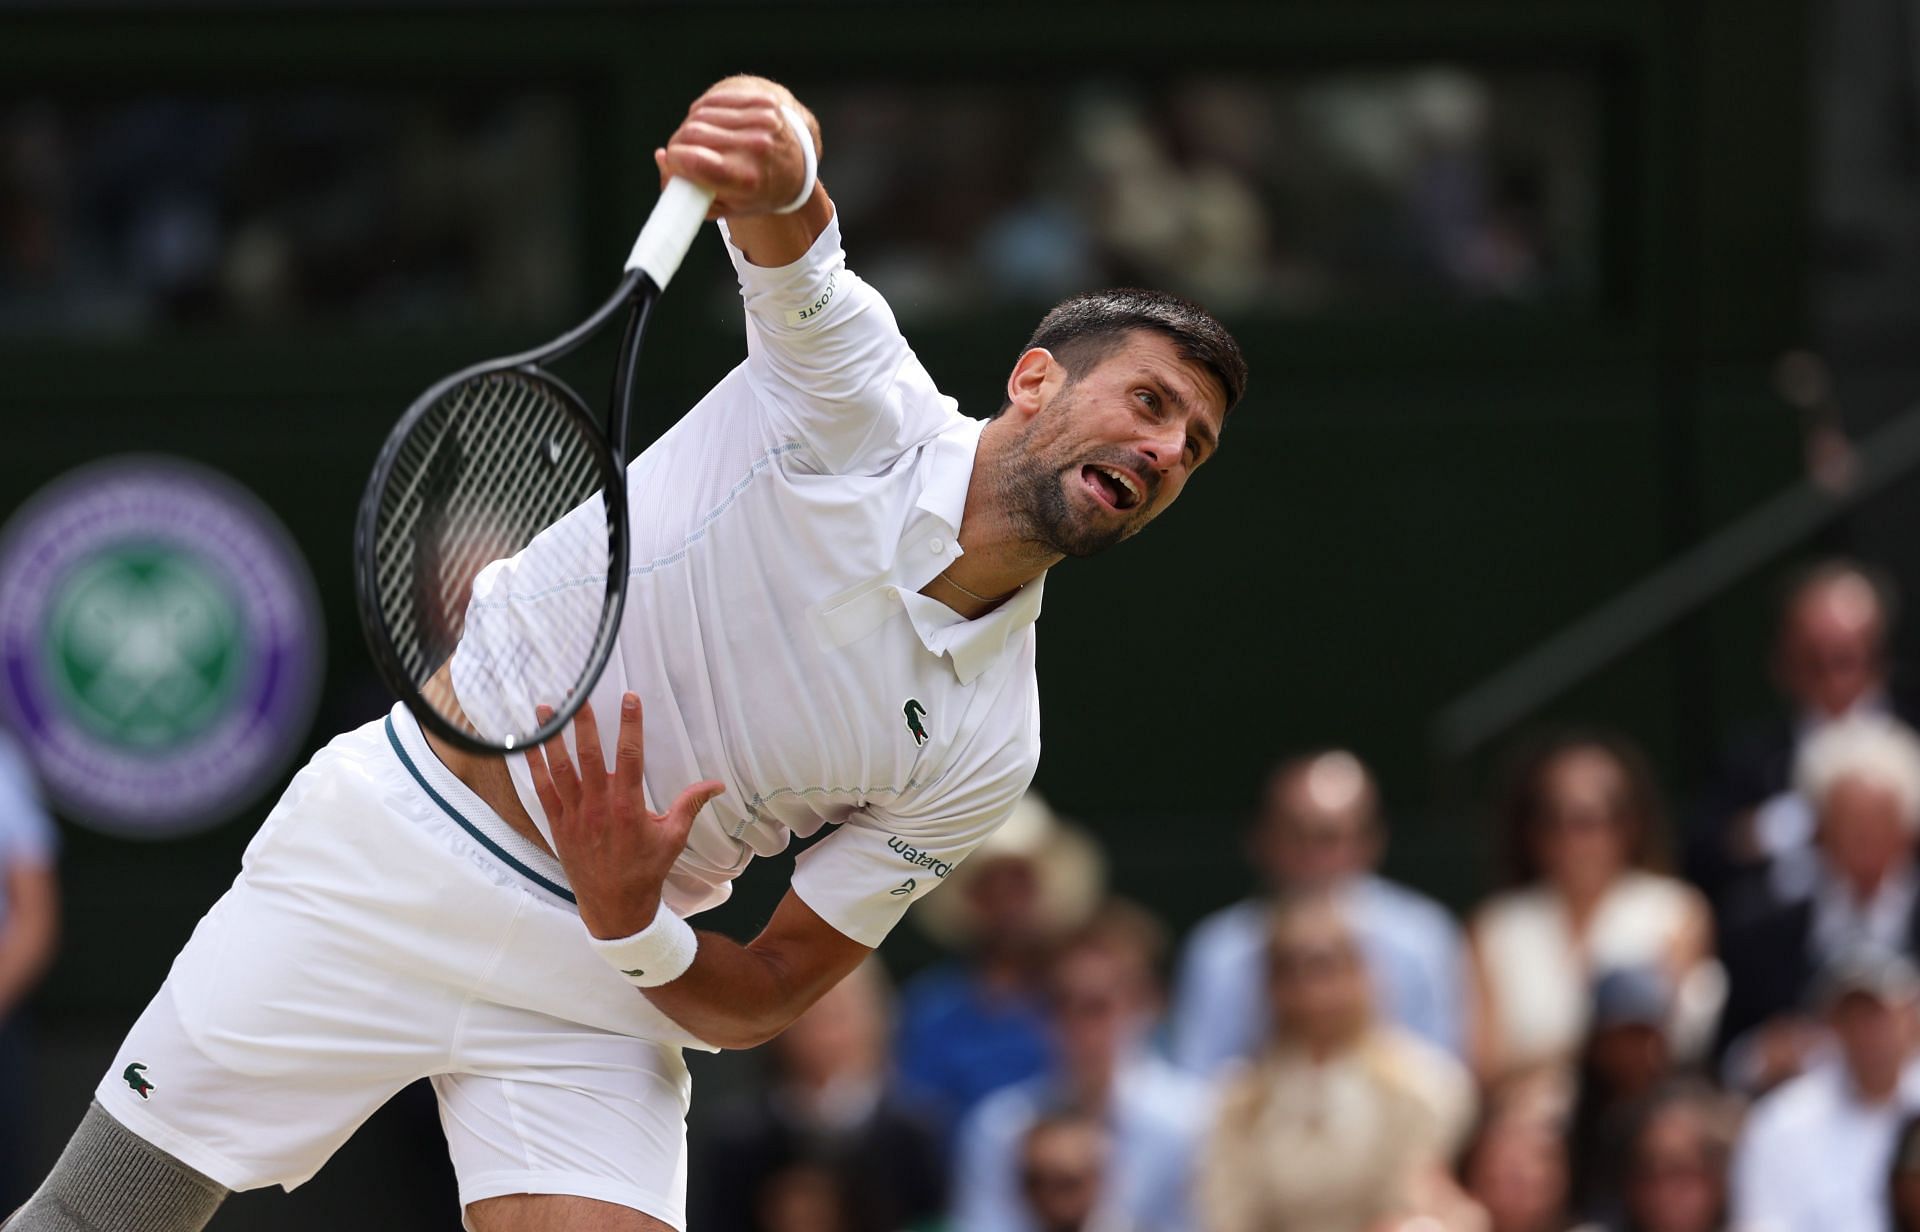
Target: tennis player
{"x": 830, "y": 623}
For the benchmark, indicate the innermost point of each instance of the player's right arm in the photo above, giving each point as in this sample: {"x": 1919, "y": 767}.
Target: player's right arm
{"x": 617, "y": 852}
{"x": 825, "y": 358}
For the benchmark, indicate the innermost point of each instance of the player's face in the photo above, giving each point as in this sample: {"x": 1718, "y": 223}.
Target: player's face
{"x": 1109, "y": 452}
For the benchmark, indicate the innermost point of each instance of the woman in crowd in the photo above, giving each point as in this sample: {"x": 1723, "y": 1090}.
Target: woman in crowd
{"x": 1344, "y": 1122}
{"x": 1627, "y": 1056}
{"x": 1677, "y": 1158}
{"x": 1515, "y": 1167}
{"x": 1583, "y": 823}
{"x": 1903, "y": 1185}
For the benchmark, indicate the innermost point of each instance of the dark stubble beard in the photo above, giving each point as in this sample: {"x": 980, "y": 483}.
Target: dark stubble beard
{"x": 1034, "y": 486}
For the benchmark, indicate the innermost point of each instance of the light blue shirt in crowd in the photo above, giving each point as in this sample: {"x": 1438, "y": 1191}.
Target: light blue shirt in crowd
{"x": 1158, "y": 1119}
{"x": 26, "y": 832}
{"x": 1414, "y": 948}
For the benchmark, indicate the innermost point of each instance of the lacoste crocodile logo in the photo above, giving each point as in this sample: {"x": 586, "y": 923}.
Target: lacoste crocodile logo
{"x": 914, "y": 712}
{"x": 137, "y": 1080}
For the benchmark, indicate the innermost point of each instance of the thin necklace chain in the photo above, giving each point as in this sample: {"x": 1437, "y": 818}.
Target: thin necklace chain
{"x": 975, "y": 595}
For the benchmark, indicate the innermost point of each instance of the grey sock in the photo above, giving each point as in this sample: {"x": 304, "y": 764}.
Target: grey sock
{"x": 109, "y": 1179}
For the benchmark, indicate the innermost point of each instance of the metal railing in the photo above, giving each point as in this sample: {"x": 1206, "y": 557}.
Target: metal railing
{"x": 1669, "y": 594}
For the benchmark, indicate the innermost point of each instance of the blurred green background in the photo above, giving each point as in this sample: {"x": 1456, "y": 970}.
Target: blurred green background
{"x": 1456, "y": 441}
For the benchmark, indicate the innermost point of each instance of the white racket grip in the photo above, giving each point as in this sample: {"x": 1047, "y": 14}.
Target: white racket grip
{"x": 670, "y": 230}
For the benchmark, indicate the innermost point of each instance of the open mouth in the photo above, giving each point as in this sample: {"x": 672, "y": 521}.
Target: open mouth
{"x": 1113, "y": 487}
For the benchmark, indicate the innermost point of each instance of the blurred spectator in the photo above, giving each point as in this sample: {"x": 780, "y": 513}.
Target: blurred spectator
{"x": 1829, "y": 663}
{"x": 1102, "y": 999}
{"x": 1815, "y": 1153}
{"x": 1583, "y": 828}
{"x": 970, "y": 1027}
{"x": 1319, "y": 829}
{"x": 1063, "y": 1175}
{"x": 1677, "y": 1155}
{"x": 29, "y": 929}
{"x": 1626, "y": 1057}
{"x": 1515, "y": 1168}
{"x": 801, "y": 1197}
{"x": 828, "y": 1135}
{"x": 1341, "y": 1121}
{"x": 1903, "y": 1181}
{"x": 1863, "y": 778}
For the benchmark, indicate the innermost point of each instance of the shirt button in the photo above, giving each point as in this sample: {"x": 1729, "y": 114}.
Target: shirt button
{"x": 936, "y": 545}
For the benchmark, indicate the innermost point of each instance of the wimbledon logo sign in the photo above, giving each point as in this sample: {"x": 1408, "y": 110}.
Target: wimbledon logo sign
{"x": 159, "y": 644}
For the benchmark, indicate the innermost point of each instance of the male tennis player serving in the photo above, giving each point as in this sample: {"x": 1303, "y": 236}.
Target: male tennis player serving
{"x": 830, "y": 621}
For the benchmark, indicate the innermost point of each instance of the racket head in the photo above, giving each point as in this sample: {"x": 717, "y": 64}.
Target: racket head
{"x": 481, "y": 465}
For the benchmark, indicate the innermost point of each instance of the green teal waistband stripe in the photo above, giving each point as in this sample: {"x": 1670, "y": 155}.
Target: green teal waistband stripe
{"x": 399, "y": 750}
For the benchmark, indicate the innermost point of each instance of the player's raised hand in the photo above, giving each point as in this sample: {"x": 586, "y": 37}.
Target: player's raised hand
{"x": 736, "y": 142}
{"x": 616, "y": 851}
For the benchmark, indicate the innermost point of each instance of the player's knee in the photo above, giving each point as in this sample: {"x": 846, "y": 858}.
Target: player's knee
{"x": 557, "y": 1213}
{"x": 110, "y": 1179}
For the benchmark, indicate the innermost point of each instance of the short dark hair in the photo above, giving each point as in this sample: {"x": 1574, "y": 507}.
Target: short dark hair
{"x": 1084, "y": 330}
{"x": 1523, "y": 800}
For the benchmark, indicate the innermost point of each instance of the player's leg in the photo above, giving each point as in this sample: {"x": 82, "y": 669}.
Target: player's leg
{"x": 558, "y": 1213}
{"x": 555, "y": 1125}
{"x": 110, "y": 1179}
{"x": 317, "y": 987}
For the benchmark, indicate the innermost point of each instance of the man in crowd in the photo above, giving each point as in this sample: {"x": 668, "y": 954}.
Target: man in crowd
{"x": 1829, "y": 663}
{"x": 1862, "y": 777}
{"x": 831, "y": 1111}
{"x": 1319, "y": 829}
{"x": 29, "y": 929}
{"x": 978, "y": 1023}
{"x": 1063, "y": 1175}
{"x": 1102, "y": 998}
{"x": 1815, "y": 1153}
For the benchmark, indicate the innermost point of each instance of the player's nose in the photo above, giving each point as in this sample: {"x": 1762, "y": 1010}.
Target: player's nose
{"x": 1163, "y": 446}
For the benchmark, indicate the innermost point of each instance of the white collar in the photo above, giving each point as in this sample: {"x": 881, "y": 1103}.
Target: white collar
{"x": 971, "y": 645}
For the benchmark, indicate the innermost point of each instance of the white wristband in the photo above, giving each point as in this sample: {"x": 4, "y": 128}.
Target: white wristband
{"x": 658, "y": 954}
{"x": 801, "y": 131}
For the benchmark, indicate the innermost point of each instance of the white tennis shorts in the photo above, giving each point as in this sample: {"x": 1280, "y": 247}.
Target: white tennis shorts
{"x": 385, "y": 927}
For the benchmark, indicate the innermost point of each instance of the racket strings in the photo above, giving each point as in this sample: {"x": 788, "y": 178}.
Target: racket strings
{"x": 496, "y": 463}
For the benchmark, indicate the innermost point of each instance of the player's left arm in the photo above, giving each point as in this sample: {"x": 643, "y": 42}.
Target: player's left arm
{"x": 617, "y": 854}
{"x": 737, "y": 996}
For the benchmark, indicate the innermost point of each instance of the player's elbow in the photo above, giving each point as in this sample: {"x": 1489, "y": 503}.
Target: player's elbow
{"x": 741, "y": 1034}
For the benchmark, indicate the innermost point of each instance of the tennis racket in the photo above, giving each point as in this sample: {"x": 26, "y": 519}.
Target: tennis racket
{"x": 491, "y": 546}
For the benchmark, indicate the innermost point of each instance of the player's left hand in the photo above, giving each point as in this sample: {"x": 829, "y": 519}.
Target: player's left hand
{"x": 616, "y": 851}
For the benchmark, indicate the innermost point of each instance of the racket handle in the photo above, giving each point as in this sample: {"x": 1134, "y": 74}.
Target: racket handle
{"x": 669, "y": 230}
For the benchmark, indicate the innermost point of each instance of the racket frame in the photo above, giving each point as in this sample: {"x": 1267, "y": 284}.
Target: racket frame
{"x": 637, "y": 293}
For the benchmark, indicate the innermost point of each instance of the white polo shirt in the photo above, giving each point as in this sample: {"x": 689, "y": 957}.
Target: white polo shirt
{"x": 773, "y": 629}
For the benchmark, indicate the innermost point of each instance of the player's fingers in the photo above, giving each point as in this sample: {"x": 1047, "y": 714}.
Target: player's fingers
{"x": 566, "y": 784}
{"x": 660, "y": 161}
{"x": 687, "y": 806}
{"x": 629, "y": 750}
{"x": 586, "y": 746}
{"x": 763, "y": 115}
{"x": 543, "y": 784}
{"x": 537, "y": 771}
{"x": 713, "y": 170}
{"x": 737, "y": 94}
{"x": 754, "y": 143}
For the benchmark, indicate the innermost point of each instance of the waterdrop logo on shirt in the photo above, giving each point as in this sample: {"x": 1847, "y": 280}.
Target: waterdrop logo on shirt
{"x": 159, "y": 639}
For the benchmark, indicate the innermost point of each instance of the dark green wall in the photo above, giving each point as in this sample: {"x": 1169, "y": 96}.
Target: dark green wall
{"x": 1401, "y": 507}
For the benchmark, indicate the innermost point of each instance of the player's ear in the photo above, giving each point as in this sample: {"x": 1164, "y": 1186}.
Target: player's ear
{"x": 1033, "y": 379}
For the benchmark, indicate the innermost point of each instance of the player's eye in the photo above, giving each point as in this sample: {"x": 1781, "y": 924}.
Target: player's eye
{"x": 1148, "y": 398}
